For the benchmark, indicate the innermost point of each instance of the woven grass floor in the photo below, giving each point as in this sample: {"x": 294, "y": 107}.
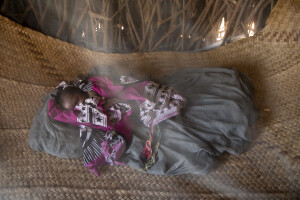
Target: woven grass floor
{"x": 31, "y": 64}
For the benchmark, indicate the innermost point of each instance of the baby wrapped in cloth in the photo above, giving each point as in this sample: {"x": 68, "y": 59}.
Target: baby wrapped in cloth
{"x": 112, "y": 115}
{"x": 217, "y": 118}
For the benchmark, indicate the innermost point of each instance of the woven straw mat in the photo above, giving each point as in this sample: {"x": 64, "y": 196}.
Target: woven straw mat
{"x": 32, "y": 64}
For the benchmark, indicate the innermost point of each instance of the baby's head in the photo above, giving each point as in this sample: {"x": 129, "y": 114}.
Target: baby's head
{"x": 69, "y": 97}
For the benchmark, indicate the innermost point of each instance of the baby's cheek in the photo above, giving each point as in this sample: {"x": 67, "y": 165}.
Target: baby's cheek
{"x": 68, "y": 105}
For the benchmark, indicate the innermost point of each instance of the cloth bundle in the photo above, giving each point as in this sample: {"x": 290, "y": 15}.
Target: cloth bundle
{"x": 110, "y": 113}
{"x": 217, "y": 117}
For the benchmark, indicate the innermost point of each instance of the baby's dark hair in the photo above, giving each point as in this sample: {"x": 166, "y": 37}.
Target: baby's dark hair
{"x": 61, "y": 93}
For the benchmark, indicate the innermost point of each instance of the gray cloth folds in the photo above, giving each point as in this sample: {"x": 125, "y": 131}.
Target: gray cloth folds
{"x": 54, "y": 137}
{"x": 219, "y": 117}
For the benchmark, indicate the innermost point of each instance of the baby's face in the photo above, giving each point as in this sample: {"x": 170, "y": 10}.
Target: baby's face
{"x": 70, "y": 100}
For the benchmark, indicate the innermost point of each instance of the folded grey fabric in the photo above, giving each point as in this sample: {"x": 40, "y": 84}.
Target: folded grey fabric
{"x": 54, "y": 137}
{"x": 219, "y": 117}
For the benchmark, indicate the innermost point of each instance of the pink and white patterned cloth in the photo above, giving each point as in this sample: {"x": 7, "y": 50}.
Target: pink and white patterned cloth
{"x": 155, "y": 103}
{"x": 101, "y": 148}
{"x": 162, "y": 103}
{"x": 111, "y": 111}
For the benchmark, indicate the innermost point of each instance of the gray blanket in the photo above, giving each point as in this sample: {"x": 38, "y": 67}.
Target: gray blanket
{"x": 219, "y": 117}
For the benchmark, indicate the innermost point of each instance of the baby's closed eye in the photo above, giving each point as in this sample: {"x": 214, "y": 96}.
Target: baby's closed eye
{"x": 76, "y": 101}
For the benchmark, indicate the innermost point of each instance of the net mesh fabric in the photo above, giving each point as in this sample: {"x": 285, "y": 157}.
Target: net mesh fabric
{"x": 270, "y": 169}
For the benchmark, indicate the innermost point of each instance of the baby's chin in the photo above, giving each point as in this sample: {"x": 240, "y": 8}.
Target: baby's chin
{"x": 68, "y": 108}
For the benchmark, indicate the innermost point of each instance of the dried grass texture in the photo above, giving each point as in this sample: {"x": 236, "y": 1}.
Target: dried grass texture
{"x": 141, "y": 25}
